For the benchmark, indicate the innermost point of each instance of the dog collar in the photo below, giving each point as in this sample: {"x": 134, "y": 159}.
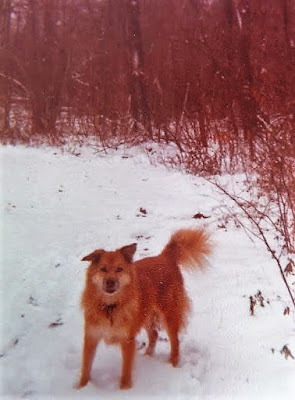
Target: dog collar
{"x": 109, "y": 309}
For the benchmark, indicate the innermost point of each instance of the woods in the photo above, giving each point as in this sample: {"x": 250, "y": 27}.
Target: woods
{"x": 167, "y": 66}
{"x": 216, "y": 78}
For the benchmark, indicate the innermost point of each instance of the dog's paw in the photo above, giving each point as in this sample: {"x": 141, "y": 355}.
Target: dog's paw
{"x": 82, "y": 382}
{"x": 149, "y": 352}
{"x": 125, "y": 384}
{"x": 174, "y": 360}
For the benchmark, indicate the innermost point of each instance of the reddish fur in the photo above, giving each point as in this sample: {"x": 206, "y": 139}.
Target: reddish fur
{"x": 152, "y": 292}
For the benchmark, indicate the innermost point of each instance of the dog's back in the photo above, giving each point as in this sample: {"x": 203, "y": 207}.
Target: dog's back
{"x": 161, "y": 289}
{"x": 159, "y": 278}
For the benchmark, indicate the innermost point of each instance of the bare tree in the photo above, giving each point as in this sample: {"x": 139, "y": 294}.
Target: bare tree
{"x": 138, "y": 80}
{"x": 5, "y": 23}
{"x": 46, "y": 65}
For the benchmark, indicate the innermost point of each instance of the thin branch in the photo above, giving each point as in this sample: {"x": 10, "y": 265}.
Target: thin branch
{"x": 261, "y": 236}
{"x": 15, "y": 82}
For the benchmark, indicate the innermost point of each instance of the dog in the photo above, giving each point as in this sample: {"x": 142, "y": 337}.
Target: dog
{"x": 121, "y": 297}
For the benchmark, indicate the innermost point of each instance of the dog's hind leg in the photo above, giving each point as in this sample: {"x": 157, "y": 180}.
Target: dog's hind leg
{"x": 172, "y": 325}
{"x": 153, "y": 336}
{"x": 90, "y": 344}
{"x": 174, "y": 342}
{"x": 175, "y": 317}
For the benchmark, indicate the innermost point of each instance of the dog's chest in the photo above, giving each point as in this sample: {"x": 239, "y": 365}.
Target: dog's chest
{"x": 115, "y": 324}
{"x": 109, "y": 333}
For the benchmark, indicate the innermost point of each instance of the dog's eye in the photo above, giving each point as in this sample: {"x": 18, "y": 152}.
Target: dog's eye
{"x": 119, "y": 269}
{"x": 104, "y": 269}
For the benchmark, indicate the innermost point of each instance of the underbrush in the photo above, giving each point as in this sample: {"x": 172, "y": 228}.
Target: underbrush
{"x": 266, "y": 205}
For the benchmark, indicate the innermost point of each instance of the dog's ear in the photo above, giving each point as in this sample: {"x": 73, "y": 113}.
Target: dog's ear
{"x": 94, "y": 257}
{"x": 128, "y": 252}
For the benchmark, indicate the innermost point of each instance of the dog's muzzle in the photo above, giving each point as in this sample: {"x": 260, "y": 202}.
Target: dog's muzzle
{"x": 110, "y": 285}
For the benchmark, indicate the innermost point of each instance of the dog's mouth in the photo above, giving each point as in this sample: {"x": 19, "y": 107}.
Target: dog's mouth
{"x": 110, "y": 290}
{"x": 110, "y": 286}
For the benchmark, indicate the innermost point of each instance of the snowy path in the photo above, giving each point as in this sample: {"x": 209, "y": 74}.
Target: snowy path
{"x": 55, "y": 208}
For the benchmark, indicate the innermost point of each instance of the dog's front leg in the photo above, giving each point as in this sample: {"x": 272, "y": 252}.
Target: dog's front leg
{"x": 128, "y": 353}
{"x": 90, "y": 344}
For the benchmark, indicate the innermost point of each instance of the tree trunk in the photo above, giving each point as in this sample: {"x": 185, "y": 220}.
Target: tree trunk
{"x": 5, "y": 12}
{"x": 48, "y": 63}
{"x": 249, "y": 108}
{"x": 289, "y": 49}
{"x": 138, "y": 87}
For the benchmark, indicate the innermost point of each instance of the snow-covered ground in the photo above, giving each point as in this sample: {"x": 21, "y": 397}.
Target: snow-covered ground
{"x": 56, "y": 208}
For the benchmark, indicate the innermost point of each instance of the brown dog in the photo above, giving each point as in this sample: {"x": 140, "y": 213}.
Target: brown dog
{"x": 122, "y": 296}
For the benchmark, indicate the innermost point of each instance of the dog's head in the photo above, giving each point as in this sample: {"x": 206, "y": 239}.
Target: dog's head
{"x": 111, "y": 271}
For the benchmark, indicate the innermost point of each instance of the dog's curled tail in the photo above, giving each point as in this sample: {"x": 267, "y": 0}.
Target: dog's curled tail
{"x": 189, "y": 248}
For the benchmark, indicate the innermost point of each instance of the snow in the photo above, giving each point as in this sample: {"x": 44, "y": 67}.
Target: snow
{"x": 56, "y": 207}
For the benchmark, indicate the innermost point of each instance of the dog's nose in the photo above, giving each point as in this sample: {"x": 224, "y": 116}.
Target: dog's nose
{"x": 111, "y": 283}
